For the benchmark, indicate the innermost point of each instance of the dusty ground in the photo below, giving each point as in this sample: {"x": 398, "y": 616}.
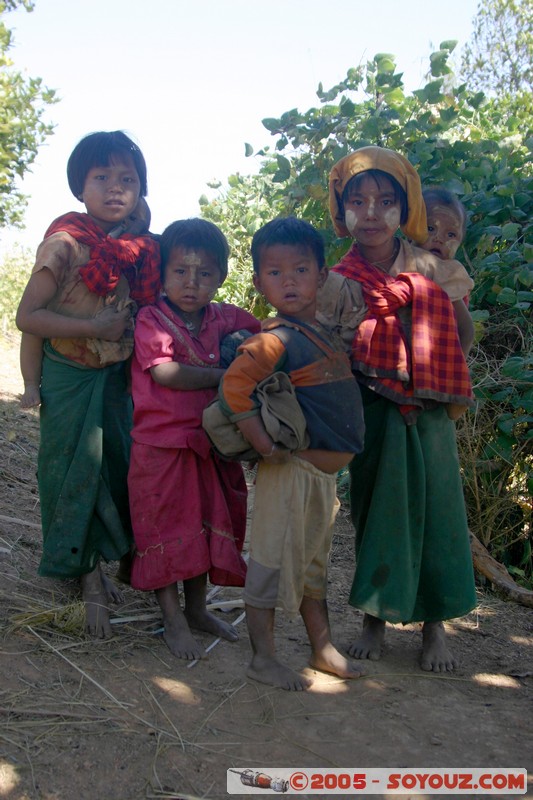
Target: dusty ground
{"x": 121, "y": 719}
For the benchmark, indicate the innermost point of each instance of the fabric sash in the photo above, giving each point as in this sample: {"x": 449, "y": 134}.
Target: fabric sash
{"x": 137, "y": 257}
{"x": 432, "y": 365}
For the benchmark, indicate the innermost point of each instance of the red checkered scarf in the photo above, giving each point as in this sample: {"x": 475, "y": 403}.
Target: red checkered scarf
{"x": 433, "y": 366}
{"x": 137, "y": 257}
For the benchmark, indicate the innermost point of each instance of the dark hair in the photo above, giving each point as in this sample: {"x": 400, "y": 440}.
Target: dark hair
{"x": 288, "y": 230}
{"x": 98, "y": 150}
{"x": 195, "y": 233}
{"x": 378, "y": 176}
{"x": 437, "y": 195}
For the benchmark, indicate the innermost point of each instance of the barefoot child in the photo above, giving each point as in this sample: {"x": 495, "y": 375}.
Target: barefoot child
{"x": 188, "y": 506}
{"x": 31, "y": 347}
{"x": 295, "y": 496}
{"x": 79, "y": 299}
{"x": 413, "y": 559}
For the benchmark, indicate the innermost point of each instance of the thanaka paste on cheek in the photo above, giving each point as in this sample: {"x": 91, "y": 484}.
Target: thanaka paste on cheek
{"x": 392, "y": 218}
{"x": 350, "y": 220}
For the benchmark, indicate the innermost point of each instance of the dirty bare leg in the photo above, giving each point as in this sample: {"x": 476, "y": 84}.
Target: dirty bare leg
{"x": 197, "y": 614}
{"x": 177, "y": 634}
{"x": 436, "y": 657}
{"x": 264, "y": 666}
{"x": 324, "y": 656}
{"x": 112, "y": 592}
{"x": 95, "y": 597}
{"x": 371, "y": 640}
{"x": 124, "y": 568}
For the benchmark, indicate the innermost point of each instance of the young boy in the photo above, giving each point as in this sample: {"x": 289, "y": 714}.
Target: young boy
{"x": 446, "y": 218}
{"x": 295, "y": 496}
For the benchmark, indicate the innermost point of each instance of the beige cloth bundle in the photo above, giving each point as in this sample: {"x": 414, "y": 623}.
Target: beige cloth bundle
{"x": 281, "y": 414}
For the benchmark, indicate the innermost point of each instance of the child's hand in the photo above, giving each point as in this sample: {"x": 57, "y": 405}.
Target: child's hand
{"x": 110, "y": 324}
{"x": 278, "y": 455}
{"x": 31, "y": 397}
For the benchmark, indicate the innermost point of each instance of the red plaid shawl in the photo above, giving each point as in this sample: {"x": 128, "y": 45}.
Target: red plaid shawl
{"x": 137, "y": 257}
{"x": 433, "y": 366}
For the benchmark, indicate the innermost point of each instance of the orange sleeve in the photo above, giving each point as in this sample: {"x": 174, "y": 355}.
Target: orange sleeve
{"x": 259, "y": 357}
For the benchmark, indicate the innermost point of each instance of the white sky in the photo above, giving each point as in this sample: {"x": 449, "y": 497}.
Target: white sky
{"x": 191, "y": 80}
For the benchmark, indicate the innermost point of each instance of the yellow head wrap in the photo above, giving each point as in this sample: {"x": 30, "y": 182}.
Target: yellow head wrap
{"x": 387, "y": 161}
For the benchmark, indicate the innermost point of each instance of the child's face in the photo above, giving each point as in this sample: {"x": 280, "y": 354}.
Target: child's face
{"x": 445, "y": 229}
{"x": 192, "y": 277}
{"x": 289, "y": 278}
{"x": 372, "y": 212}
{"x": 111, "y": 193}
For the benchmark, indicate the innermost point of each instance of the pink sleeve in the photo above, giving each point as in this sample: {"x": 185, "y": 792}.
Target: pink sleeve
{"x": 245, "y": 320}
{"x": 153, "y": 345}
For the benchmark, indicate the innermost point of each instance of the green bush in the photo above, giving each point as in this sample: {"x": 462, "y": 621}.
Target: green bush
{"x": 15, "y": 269}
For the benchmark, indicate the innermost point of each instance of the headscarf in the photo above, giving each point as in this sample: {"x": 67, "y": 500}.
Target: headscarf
{"x": 387, "y": 161}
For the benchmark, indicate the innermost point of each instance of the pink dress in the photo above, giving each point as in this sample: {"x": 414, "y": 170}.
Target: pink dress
{"x": 188, "y": 506}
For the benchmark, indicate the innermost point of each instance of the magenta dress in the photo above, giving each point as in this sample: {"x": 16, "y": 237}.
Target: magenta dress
{"x": 188, "y": 506}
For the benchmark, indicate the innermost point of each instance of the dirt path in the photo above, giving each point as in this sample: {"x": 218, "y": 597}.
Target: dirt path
{"x": 121, "y": 719}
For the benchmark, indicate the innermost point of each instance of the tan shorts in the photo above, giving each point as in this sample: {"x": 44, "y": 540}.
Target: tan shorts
{"x": 292, "y": 527}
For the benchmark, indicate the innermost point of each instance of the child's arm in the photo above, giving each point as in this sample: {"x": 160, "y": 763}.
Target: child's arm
{"x": 174, "y": 375}
{"x": 31, "y": 357}
{"x": 34, "y": 317}
{"x": 254, "y": 431}
{"x": 465, "y": 326}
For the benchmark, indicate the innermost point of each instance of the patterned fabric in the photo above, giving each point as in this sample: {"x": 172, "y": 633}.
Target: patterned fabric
{"x": 432, "y": 365}
{"x": 136, "y": 257}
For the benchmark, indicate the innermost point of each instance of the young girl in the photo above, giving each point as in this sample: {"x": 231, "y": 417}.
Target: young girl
{"x": 188, "y": 507}
{"x": 410, "y": 329}
{"x": 79, "y": 299}
{"x": 31, "y": 346}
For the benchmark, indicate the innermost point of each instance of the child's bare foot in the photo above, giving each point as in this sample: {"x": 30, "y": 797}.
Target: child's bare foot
{"x": 270, "y": 671}
{"x": 95, "y": 598}
{"x": 205, "y": 621}
{"x": 371, "y": 640}
{"x": 436, "y": 657}
{"x": 31, "y": 397}
{"x": 330, "y": 660}
{"x": 179, "y": 639}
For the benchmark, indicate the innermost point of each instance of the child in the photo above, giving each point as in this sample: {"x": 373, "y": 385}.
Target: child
{"x": 413, "y": 559}
{"x": 295, "y": 496}
{"x": 446, "y": 218}
{"x": 81, "y": 291}
{"x": 31, "y": 347}
{"x": 194, "y": 521}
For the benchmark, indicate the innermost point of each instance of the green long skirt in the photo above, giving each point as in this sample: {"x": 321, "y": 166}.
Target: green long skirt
{"x": 83, "y": 461}
{"x": 413, "y": 559}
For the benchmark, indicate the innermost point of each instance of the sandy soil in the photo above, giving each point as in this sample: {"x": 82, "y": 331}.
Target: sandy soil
{"x": 121, "y": 719}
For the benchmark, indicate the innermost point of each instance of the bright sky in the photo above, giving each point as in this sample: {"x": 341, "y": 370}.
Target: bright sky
{"x": 191, "y": 80}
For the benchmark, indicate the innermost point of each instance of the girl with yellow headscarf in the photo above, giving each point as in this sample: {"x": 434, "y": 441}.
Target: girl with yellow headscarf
{"x": 400, "y": 312}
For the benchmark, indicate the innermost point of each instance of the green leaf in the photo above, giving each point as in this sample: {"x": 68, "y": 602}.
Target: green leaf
{"x": 510, "y": 231}
{"x": 449, "y": 45}
{"x": 506, "y": 296}
{"x": 248, "y": 149}
{"x": 271, "y": 124}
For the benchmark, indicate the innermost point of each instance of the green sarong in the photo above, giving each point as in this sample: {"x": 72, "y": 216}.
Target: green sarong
{"x": 413, "y": 559}
{"x": 86, "y": 417}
